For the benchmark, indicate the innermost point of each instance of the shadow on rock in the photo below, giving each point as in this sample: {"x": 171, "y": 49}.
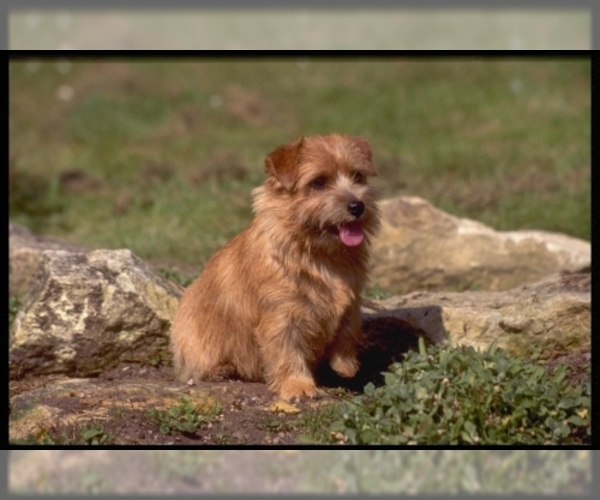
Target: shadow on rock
{"x": 386, "y": 340}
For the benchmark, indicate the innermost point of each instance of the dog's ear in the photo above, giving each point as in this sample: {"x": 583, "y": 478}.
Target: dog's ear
{"x": 363, "y": 145}
{"x": 365, "y": 148}
{"x": 283, "y": 163}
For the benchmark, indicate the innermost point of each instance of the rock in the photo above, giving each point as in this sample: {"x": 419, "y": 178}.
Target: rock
{"x": 25, "y": 254}
{"x": 88, "y": 311}
{"x": 422, "y": 248}
{"x": 552, "y": 315}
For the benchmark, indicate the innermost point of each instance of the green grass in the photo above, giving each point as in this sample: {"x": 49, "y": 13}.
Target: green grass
{"x": 168, "y": 152}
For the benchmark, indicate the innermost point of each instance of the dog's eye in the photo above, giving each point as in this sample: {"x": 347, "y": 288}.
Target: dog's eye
{"x": 319, "y": 182}
{"x": 358, "y": 178}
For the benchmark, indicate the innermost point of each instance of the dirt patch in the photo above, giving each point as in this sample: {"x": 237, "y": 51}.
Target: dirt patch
{"x": 133, "y": 405}
{"x": 136, "y": 404}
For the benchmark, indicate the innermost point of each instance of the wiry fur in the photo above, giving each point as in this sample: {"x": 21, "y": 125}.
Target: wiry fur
{"x": 285, "y": 293}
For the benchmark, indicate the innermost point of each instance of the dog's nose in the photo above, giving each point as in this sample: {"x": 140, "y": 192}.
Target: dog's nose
{"x": 356, "y": 208}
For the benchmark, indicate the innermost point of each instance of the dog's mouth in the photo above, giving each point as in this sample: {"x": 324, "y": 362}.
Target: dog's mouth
{"x": 351, "y": 234}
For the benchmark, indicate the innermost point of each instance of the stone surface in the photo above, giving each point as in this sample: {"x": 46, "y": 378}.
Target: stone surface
{"x": 422, "y": 248}
{"x": 25, "y": 254}
{"x": 88, "y": 311}
{"x": 552, "y": 315}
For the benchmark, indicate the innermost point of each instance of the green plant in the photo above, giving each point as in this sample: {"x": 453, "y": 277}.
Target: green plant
{"x": 446, "y": 395}
{"x": 94, "y": 435}
{"x": 273, "y": 425}
{"x": 185, "y": 417}
{"x": 316, "y": 423}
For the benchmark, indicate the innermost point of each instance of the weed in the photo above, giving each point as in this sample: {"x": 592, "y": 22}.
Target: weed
{"x": 316, "y": 423}
{"x": 185, "y": 417}
{"x": 94, "y": 435}
{"x": 278, "y": 424}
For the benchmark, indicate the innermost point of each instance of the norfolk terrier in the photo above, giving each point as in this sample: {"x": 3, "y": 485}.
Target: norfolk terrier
{"x": 284, "y": 294}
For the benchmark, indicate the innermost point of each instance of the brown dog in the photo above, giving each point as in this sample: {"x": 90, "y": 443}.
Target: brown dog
{"x": 285, "y": 293}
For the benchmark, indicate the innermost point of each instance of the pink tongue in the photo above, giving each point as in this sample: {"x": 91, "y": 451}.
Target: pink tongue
{"x": 351, "y": 233}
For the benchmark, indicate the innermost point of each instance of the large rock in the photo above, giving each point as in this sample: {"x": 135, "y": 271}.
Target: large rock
{"x": 552, "y": 316}
{"x": 25, "y": 255}
{"x": 88, "y": 311}
{"x": 422, "y": 248}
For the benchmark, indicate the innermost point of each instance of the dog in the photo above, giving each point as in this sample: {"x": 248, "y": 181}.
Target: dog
{"x": 284, "y": 294}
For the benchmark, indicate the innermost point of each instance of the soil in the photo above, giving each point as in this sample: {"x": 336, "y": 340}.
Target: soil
{"x": 248, "y": 414}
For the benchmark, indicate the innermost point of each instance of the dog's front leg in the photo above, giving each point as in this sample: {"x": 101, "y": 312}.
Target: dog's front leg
{"x": 343, "y": 356}
{"x": 286, "y": 356}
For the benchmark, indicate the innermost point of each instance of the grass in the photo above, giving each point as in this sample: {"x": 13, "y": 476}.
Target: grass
{"x": 160, "y": 157}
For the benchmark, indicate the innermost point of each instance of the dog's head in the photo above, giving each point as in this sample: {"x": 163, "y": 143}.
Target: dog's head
{"x": 322, "y": 181}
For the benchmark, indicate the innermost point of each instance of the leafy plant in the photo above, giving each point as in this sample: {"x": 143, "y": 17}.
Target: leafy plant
{"x": 94, "y": 435}
{"x": 456, "y": 396}
{"x": 185, "y": 417}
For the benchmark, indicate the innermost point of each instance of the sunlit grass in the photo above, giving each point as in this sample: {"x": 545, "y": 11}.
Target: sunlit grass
{"x": 505, "y": 142}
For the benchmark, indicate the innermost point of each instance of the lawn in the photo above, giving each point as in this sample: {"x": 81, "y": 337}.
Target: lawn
{"x": 160, "y": 155}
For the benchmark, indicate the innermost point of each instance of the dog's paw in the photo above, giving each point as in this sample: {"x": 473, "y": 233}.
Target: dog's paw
{"x": 298, "y": 388}
{"x": 345, "y": 366}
